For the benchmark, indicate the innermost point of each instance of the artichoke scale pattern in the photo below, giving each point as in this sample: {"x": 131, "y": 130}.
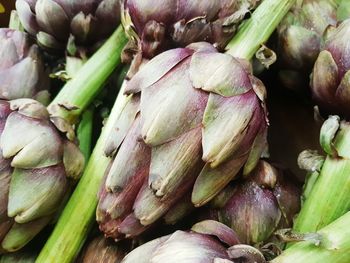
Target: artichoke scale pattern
{"x": 200, "y": 119}
{"x": 39, "y": 164}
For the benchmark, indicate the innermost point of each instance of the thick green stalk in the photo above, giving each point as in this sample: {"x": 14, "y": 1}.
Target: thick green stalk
{"x": 258, "y": 28}
{"x": 79, "y": 214}
{"x": 79, "y": 92}
{"x": 334, "y": 246}
{"x": 84, "y": 132}
{"x": 330, "y": 196}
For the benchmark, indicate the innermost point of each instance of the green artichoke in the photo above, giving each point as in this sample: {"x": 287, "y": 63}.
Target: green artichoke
{"x": 196, "y": 117}
{"x": 265, "y": 201}
{"x": 52, "y": 22}
{"x": 18, "y": 257}
{"x": 102, "y": 250}
{"x": 330, "y": 81}
{"x": 299, "y": 39}
{"x": 39, "y": 163}
{"x": 22, "y": 71}
{"x": 158, "y": 27}
{"x": 207, "y": 242}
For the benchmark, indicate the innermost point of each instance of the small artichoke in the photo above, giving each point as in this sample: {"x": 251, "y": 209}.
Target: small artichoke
{"x": 158, "y": 27}
{"x": 22, "y": 72}
{"x": 299, "y": 39}
{"x": 264, "y": 202}
{"x": 195, "y": 118}
{"x": 101, "y": 250}
{"x": 52, "y": 22}
{"x": 207, "y": 242}
{"x": 330, "y": 81}
{"x": 38, "y": 165}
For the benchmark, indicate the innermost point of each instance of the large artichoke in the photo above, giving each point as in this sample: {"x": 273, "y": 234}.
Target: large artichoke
{"x": 52, "y": 22}
{"x": 22, "y": 72}
{"x": 194, "y": 119}
{"x": 207, "y": 242}
{"x": 158, "y": 27}
{"x": 330, "y": 81}
{"x": 38, "y": 165}
{"x": 299, "y": 39}
{"x": 255, "y": 208}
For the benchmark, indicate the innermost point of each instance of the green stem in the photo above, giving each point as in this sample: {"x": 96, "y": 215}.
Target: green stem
{"x": 334, "y": 246}
{"x": 14, "y": 22}
{"x": 78, "y": 216}
{"x": 330, "y": 196}
{"x": 79, "y": 92}
{"x": 258, "y": 28}
{"x": 84, "y": 132}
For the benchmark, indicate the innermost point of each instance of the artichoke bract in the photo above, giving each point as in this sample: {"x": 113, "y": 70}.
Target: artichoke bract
{"x": 331, "y": 73}
{"x": 195, "y": 119}
{"x": 22, "y": 71}
{"x": 102, "y": 250}
{"x": 207, "y": 242}
{"x": 158, "y": 27}
{"x": 299, "y": 39}
{"x": 52, "y": 22}
{"x": 265, "y": 201}
{"x": 39, "y": 163}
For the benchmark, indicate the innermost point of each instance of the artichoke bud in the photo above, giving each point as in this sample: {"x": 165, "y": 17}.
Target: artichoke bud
{"x": 156, "y": 28}
{"x": 299, "y": 39}
{"x": 52, "y": 21}
{"x": 207, "y": 242}
{"x": 103, "y": 250}
{"x": 34, "y": 185}
{"x": 330, "y": 80}
{"x": 201, "y": 118}
{"x": 265, "y": 201}
{"x": 22, "y": 72}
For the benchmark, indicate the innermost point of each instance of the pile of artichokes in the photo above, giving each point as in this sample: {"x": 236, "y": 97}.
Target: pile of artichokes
{"x": 141, "y": 131}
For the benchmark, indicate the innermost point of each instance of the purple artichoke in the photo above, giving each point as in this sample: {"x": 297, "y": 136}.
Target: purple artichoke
{"x": 158, "y": 27}
{"x": 22, "y": 72}
{"x": 299, "y": 39}
{"x": 38, "y": 165}
{"x": 52, "y": 22}
{"x": 194, "y": 119}
{"x": 255, "y": 208}
{"x": 330, "y": 81}
{"x": 207, "y": 242}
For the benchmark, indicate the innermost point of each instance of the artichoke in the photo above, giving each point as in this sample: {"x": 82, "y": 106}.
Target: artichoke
{"x": 299, "y": 39}
{"x": 330, "y": 81}
{"x": 18, "y": 257}
{"x": 158, "y": 27}
{"x": 52, "y": 22}
{"x": 38, "y": 166}
{"x": 22, "y": 72}
{"x": 207, "y": 242}
{"x": 195, "y": 118}
{"x": 255, "y": 208}
{"x": 102, "y": 250}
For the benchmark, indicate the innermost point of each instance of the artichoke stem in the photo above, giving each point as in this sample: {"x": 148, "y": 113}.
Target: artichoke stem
{"x": 79, "y": 92}
{"x": 78, "y": 216}
{"x": 84, "y": 132}
{"x": 258, "y": 28}
{"x": 334, "y": 246}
